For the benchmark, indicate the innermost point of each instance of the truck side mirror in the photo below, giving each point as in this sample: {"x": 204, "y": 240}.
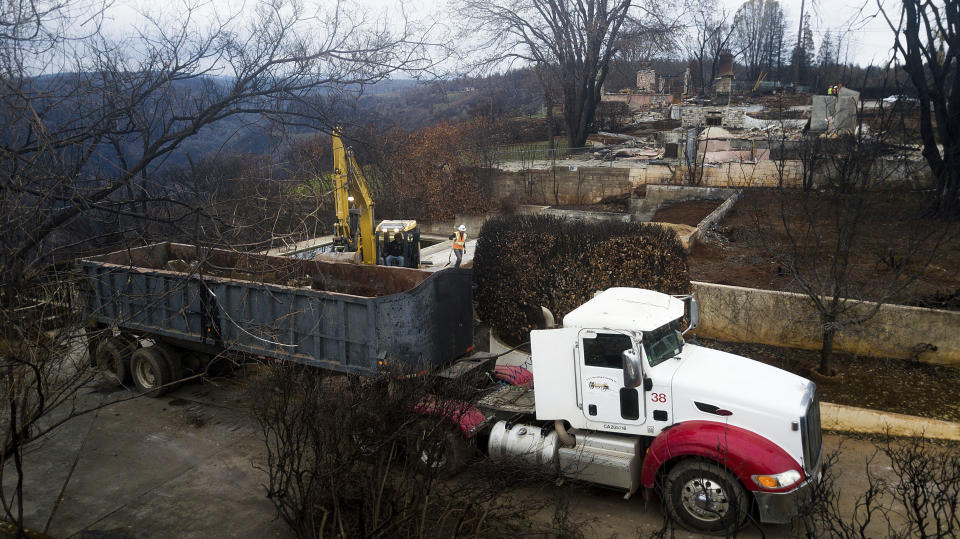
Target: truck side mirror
{"x": 631, "y": 369}
{"x": 694, "y": 315}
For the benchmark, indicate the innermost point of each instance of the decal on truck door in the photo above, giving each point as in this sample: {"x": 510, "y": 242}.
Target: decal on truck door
{"x": 600, "y": 384}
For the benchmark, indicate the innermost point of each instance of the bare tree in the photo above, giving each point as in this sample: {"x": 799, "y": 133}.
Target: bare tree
{"x": 759, "y": 27}
{"x": 919, "y": 500}
{"x": 818, "y": 223}
{"x": 711, "y": 34}
{"x": 573, "y": 39}
{"x": 89, "y": 119}
{"x": 927, "y": 44}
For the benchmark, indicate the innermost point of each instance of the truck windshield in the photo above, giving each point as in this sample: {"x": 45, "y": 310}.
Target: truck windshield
{"x": 663, "y": 343}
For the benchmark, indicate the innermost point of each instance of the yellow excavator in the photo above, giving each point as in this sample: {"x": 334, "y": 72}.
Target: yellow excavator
{"x": 355, "y": 239}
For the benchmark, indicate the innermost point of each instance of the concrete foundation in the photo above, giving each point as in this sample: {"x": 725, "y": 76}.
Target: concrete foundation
{"x": 643, "y": 209}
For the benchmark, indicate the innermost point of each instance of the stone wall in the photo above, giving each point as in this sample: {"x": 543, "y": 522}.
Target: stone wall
{"x": 696, "y": 116}
{"x": 646, "y": 80}
{"x": 740, "y": 314}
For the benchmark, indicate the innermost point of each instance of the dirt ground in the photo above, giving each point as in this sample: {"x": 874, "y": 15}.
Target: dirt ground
{"x": 688, "y": 212}
{"x": 733, "y": 253}
{"x": 891, "y": 385}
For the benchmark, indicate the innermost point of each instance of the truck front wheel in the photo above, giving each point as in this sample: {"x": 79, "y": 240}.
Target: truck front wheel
{"x": 151, "y": 372}
{"x": 704, "y": 497}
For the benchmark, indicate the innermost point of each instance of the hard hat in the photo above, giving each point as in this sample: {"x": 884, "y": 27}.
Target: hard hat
{"x": 462, "y": 228}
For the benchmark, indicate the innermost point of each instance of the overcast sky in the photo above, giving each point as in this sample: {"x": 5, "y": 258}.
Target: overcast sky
{"x": 868, "y": 38}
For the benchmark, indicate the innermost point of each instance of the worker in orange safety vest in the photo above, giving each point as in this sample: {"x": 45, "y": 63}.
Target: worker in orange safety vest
{"x": 459, "y": 238}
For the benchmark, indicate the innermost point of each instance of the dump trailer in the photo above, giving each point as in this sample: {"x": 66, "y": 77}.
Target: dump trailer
{"x": 186, "y": 301}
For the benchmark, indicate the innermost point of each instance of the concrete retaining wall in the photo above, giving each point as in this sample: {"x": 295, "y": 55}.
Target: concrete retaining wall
{"x": 588, "y": 185}
{"x": 577, "y": 215}
{"x": 740, "y": 314}
{"x": 562, "y": 185}
{"x": 721, "y": 211}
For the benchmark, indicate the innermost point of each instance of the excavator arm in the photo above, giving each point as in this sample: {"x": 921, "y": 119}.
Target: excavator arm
{"x": 349, "y": 185}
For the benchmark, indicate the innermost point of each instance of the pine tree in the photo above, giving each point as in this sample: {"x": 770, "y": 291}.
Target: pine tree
{"x": 804, "y": 56}
{"x": 808, "y": 48}
{"x": 825, "y": 60}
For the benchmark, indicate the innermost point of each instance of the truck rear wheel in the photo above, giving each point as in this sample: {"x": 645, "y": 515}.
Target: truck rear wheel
{"x": 435, "y": 448}
{"x": 112, "y": 357}
{"x": 151, "y": 371}
{"x": 704, "y": 497}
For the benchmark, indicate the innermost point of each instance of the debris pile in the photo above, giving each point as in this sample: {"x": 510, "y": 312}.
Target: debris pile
{"x": 523, "y": 262}
{"x": 295, "y": 273}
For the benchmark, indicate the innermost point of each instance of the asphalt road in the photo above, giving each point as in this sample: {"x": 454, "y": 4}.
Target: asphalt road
{"x": 189, "y": 464}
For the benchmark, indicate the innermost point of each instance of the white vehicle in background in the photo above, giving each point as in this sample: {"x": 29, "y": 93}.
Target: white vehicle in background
{"x": 894, "y": 99}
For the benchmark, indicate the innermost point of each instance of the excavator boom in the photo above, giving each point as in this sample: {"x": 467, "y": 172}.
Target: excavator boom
{"x": 349, "y": 185}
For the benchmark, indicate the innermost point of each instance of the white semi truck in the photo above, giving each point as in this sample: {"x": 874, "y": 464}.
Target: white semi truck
{"x": 630, "y": 405}
{"x": 618, "y": 397}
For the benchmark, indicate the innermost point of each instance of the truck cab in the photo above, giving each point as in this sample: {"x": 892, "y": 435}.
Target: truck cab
{"x": 634, "y": 406}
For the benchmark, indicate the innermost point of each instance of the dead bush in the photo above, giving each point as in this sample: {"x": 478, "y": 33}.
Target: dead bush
{"x": 920, "y": 497}
{"x": 351, "y": 457}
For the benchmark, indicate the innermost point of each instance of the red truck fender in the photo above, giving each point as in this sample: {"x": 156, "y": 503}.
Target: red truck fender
{"x": 462, "y": 414}
{"x": 741, "y": 451}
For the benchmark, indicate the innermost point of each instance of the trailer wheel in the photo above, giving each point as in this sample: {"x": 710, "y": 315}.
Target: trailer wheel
{"x": 95, "y": 335}
{"x": 113, "y": 358}
{"x": 172, "y": 355}
{"x": 705, "y": 498}
{"x": 150, "y": 371}
{"x": 436, "y": 448}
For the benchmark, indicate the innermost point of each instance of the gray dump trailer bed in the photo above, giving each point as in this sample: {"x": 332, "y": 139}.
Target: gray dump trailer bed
{"x": 344, "y": 317}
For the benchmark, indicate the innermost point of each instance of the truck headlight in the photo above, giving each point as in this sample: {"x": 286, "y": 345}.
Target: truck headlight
{"x": 780, "y": 480}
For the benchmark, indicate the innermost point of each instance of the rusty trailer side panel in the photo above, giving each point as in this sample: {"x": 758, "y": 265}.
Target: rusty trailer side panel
{"x": 343, "y": 317}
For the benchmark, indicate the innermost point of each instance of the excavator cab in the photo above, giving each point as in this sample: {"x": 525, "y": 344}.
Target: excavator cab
{"x": 410, "y": 231}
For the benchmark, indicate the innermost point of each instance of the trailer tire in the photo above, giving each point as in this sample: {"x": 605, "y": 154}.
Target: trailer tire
{"x": 704, "y": 497}
{"x": 172, "y": 355}
{"x": 151, "y": 371}
{"x": 436, "y": 448}
{"x": 95, "y": 335}
{"x": 113, "y": 358}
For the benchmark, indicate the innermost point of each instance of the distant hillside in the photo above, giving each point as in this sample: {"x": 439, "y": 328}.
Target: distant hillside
{"x": 408, "y": 104}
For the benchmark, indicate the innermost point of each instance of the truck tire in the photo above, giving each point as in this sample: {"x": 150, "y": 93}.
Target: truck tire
{"x": 150, "y": 371}
{"x": 112, "y": 358}
{"x": 705, "y": 498}
{"x": 173, "y": 357}
{"x": 436, "y": 448}
{"x": 95, "y": 335}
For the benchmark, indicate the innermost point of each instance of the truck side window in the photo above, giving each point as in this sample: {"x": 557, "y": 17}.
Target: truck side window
{"x": 604, "y": 350}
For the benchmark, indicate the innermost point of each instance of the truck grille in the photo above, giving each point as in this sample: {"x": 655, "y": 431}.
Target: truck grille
{"x": 810, "y": 434}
